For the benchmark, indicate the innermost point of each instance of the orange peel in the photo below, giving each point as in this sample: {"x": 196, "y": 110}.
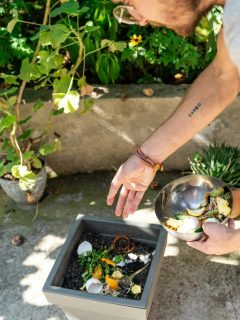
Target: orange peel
{"x": 113, "y": 283}
{"x": 108, "y": 261}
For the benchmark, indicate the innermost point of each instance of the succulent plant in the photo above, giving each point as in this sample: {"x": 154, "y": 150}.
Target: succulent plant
{"x": 218, "y": 160}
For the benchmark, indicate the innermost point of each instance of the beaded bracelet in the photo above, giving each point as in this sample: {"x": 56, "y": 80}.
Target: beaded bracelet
{"x": 148, "y": 161}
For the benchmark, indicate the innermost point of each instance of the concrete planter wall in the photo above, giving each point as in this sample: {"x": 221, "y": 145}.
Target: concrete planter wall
{"x": 79, "y": 305}
{"x": 103, "y": 138}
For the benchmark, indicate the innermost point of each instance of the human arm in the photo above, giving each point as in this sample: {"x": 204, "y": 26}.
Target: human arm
{"x": 214, "y": 89}
{"x": 219, "y": 239}
{"x": 212, "y": 92}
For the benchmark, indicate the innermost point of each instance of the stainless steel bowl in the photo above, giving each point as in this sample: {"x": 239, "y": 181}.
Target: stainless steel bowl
{"x": 183, "y": 193}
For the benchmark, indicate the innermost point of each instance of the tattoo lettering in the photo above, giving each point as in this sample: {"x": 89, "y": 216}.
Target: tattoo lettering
{"x": 195, "y": 109}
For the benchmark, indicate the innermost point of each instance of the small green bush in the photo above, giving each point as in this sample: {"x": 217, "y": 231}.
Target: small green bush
{"x": 159, "y": 56}
{"x": 219, "y": 160}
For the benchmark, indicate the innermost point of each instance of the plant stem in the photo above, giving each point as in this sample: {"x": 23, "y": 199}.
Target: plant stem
{"x": 29, "y": 22}
{"x": 79, "y": 59}
{"x": 15, "y": 144}
{"x": 13, "y": 138}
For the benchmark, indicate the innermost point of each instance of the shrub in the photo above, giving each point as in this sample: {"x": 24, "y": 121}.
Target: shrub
{"x": 219, "y": 160}
{"x": 160, "y": 56}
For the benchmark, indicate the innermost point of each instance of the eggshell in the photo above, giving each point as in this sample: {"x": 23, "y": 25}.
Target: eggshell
{"x": 189, "y": 225}
{"x": 84, "y": 248}
{"x": 93, "y": 285}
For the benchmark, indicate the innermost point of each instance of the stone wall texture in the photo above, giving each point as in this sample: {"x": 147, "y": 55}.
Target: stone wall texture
{"x": 102, "y": 139}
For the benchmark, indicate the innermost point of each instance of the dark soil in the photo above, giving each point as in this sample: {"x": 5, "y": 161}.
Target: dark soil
{"x": 73, "y": 276}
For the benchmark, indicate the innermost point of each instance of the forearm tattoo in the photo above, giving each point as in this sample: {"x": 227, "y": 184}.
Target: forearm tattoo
{"x": 195, "y": 109}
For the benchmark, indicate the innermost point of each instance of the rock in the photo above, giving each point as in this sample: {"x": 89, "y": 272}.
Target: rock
{"x": 17, "y": 240}
{"x": 148, "y": 92}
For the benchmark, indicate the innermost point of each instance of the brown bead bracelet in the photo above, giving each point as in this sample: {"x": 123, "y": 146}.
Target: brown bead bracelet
{"x": 148, "y": 161}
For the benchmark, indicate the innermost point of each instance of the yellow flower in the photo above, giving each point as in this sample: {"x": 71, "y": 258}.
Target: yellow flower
{"x": 135, "y": 40}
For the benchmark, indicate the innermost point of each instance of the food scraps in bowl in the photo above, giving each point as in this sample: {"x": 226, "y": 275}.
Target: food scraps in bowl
{"x": 215, "y": 207}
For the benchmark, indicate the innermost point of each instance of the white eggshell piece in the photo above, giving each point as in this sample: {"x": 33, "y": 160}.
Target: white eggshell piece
{"x": 132, "y": 256}
{"x": 84, "y": 248}
{"x": 189, "y": 224}
{"x": 93, "y": 285}
{"x": 212, "y": 220}
{"x": 144, "y": 258}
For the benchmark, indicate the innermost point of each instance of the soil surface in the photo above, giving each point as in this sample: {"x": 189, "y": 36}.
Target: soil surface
{"x": 73, "y": 276}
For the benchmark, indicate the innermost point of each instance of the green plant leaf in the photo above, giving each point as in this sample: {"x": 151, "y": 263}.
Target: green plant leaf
{"x": 5, "y": 144}
{"x": 36, "y": 163}
{"x": 5, "y": 92}
{"x": 56, "y": 35}
{"x": 57, "y": 112}
{"x": 19, "y": 171}
{"x": 25, "y": 135}
{"x": 38, "y": 105}
{"x": 6, "y": 122}
{"x": 8, "y": 78}
{"x": 70, "y": 7}
{"x": 49, "y": 61}
{"x": 11, "y": 24}
{"x": 28, "y": 181}
{"x": 114, "y": 68}
{"x": 28, "y": 155}
{"x": 24, "y": 121}
{"x": 102, "y": 67}
{"x": 12, "y": 101}
{"x": 50, "y": 148}
{"x": 61, "y": 85}
{"x": 29, "y": 71}
{"x": 69, "y": 101}
{"x": 82, "y": 82}
{"x": 3, "y": 104}
{"x": 114, "y": 46}
{"x": 83, "y": 10}
{"x": 87, "y": 105}
{"x": 3, "y": 169}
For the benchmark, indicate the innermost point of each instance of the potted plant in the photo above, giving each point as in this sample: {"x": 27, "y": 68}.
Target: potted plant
{"x": 24, "y": 151}
{"x": 220, "y": 161}
{"x": 81, "y": 304}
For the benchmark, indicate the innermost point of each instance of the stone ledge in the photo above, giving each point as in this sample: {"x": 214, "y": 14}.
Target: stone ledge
{"x": 102, "y": 139}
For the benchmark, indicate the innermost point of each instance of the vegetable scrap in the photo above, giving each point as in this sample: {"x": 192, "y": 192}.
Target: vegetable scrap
{"x": 117, "y": 267}
{"x": 215, "y": 207}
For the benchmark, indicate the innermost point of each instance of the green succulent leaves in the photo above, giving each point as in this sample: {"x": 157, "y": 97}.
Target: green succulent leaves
{"x": 218, "y": 160}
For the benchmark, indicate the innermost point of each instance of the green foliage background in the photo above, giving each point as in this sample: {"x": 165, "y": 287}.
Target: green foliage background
{"x": 161, "y": 55}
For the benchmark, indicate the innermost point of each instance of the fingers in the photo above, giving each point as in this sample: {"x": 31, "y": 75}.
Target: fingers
{"x": 121, "y": 201}
{"x": 231, "y": 224}
{"x": 198, "y": 245}
{"x": 128, "y": 202}
{"x": 115, "y": 185}
{"x": 127, "y": 208}
{"x": 132, "y": 202}
{"x": 135, "y": 202}
{"x": 210, "y": 227}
